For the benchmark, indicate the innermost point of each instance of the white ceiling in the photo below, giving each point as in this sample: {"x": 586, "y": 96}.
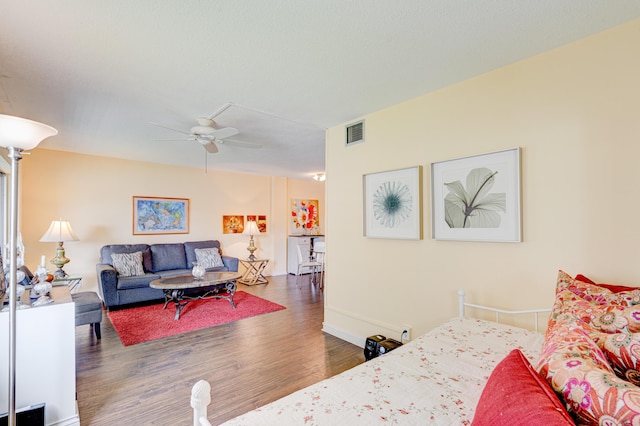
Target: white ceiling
{"x": 101, "y": 71}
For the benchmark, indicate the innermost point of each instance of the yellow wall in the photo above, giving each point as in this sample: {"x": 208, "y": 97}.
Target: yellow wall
{"x": 574, "y": 111}
{"x": 95, "y": 195}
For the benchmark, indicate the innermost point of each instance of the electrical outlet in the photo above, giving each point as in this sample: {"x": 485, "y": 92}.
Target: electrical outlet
{"x": 405, "y": 336}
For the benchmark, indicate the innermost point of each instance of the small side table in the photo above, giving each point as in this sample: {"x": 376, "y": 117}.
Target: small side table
{"x": 74, "y": 282}
{"x": 253, "y": 273}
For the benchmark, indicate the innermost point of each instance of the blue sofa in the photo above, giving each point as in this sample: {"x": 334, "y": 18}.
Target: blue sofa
{"x": 158, "y": 261}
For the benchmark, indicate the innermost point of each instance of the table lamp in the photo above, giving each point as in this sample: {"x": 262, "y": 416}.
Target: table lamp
{"x": 17, "y": 134}
{"x": 59, "y": 231}
{"x": 251, "y": 229}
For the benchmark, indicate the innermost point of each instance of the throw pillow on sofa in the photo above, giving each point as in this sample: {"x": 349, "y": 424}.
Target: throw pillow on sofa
{"x": 209, "y": 258}
{"x": 128, "y": 264}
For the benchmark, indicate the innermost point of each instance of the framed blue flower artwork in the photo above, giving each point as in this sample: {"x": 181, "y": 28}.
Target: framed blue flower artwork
{"x": 393, "y": 204}
{"x": 477, "y": 198}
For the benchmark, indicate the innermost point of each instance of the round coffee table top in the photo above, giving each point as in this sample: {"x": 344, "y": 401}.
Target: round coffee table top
{"x": 188, "y": 281}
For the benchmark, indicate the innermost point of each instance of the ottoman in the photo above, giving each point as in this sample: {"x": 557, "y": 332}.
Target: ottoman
{"x": 88, "y": 310}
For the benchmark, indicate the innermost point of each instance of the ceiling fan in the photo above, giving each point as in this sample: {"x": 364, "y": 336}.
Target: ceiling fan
{"x": 207, "y": 135}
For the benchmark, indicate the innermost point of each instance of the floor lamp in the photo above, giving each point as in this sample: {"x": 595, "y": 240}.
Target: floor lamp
{"x": 17, "y": 134}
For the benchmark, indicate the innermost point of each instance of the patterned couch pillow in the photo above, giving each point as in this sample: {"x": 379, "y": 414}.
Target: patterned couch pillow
{"x": 579, "y": 373}
{"x": 209, "y": 258}
{"x": 128, "y": 264}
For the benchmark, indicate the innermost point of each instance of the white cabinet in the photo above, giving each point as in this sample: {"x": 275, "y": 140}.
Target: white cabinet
{"x": 45, "y": 359}
{"x": 305, "y": 242}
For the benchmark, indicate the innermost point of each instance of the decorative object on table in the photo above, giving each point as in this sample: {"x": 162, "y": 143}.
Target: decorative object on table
{"x": 477, "y": 198}
{"x": 261, "y": 221}
{"x": 59, "y": 231}
{"x": 17, "y": 134}
{"x": 304, "y": 217}
{"x": 198, "y": 271}
{"x": 393, "y": 204}
{"x": 156, "y": 215}
{"x": 41, "y": 286}
{"x": 3, "y": 281}
{"x": 232, "y": 224}
{"x": 251, "y": 229}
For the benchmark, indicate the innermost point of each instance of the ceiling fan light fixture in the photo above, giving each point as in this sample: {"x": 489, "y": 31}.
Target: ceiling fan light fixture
{"x": 320, "y": 177}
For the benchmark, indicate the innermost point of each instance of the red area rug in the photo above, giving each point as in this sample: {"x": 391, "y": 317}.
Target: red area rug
{"x": 144, "y": 323}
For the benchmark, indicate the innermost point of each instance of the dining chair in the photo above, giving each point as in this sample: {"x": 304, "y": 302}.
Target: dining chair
{"x": 307, "y": 263}
{"x": 319, "y": 253}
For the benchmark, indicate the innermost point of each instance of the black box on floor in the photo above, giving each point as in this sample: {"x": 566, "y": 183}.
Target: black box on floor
{"x": 28, "y": 416}
{"x": 371, "y": 346}
{"x": 387, "y": 345}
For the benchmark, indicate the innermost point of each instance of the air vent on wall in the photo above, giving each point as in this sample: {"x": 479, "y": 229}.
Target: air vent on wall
{"x": 355, "y": 133}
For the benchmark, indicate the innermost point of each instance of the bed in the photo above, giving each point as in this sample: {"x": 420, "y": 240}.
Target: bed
{"x": 583, "y": 369}
{"x": 438, "y": 376}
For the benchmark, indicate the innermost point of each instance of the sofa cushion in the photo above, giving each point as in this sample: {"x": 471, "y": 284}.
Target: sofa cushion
{"x": 142, "y": 281}
{"x": 516, "y": 394}
{"x": 108, "y": 250}
{"x": 209, "y": 258}
{"x": 128, "y": 264}
{"x": 191, "y": 246}
{"x": 165, "y": 257}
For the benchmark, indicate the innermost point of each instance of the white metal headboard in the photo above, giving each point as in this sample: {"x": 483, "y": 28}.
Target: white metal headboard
{"x": 462, "y": 304}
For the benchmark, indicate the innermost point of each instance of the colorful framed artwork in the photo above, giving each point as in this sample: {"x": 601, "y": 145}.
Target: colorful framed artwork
{"x": 260, "y": 220}
{"x": 304, "y": 217}
{"x": 393, "y": 204}
{"x": 156, "y": 215}
{"x": 232, "y": 224}
{"x": 477, "y": 198}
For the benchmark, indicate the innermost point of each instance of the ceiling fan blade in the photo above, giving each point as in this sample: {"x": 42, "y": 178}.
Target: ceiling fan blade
{"x": 210, "y": 146}
{"x": 244, "y": 144}
{"x": 176, "y": 139}
{"x": 225, "y": 132}
{"x": 171, "y": 128}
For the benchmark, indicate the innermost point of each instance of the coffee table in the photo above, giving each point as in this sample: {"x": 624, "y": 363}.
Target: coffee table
{"x": 174, "y": 288}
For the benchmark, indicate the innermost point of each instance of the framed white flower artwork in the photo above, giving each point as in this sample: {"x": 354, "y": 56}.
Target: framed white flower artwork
{"x": 393, "y": 204}
{"x": 477, "y": 198}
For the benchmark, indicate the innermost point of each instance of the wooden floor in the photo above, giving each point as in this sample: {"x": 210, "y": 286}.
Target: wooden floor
{"x": 248, "y": 363}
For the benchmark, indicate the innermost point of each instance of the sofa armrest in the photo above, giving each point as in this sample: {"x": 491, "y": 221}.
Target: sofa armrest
{"x": 107, "y": 284}
{"x": 230, "y": 262}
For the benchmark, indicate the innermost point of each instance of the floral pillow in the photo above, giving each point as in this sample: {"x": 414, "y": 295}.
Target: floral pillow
{"x": 623, "y": 352}
{"x": 604, "y": 294}
{"x": 577, "y": 370}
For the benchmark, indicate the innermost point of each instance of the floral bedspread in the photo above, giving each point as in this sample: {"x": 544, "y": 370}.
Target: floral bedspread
{"x": 435, "y": 379}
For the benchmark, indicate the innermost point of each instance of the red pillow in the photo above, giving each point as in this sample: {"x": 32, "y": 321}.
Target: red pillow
{"x": 516, "y": 394}
{"x": 613, "y": 287}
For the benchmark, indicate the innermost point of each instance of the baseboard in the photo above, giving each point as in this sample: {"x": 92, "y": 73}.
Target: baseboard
{"x": 69, "y": 421}
{"x": 341, "y": 334}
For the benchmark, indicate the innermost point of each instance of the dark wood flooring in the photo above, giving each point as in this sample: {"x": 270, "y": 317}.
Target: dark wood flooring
{"x": 248, "y": 363}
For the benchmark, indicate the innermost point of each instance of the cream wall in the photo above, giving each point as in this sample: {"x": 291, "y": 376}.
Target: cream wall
{"x": 97, "y": 199}
{"x": 574, "y": 111}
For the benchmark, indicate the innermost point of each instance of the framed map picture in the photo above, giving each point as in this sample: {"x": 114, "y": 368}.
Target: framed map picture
{"x": 155, "y": 215}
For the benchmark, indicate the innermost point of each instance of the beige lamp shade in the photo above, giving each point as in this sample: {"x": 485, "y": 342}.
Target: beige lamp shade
{"x": 251, "y": 228}
{"x": 60, "y": 230}
{"x": 23, "y": 133}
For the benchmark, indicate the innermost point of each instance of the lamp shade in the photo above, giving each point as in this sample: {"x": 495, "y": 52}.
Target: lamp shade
{"x": 60, "y": 230}
{"x": 23, "y": 133}
{"x": 251, "y": 228}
